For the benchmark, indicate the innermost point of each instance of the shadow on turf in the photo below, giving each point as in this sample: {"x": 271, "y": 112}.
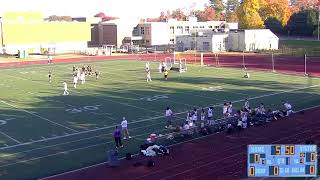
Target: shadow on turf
{"x": 132, "y": 96}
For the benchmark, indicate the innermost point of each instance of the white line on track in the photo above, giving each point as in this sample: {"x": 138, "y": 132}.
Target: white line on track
{"x": 36, "y": 115}
{"x": 103, "y": 163}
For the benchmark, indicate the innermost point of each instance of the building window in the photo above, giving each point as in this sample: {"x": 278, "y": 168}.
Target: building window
{"x": 210, "y": 27}
{"x": 172, "y": 29}
{"x": 195, "y": 27}
{"x": 192, "y": 45}
{"x": 180, "y": 29}
{"x": 142, "y": 30}
{"x": 205, "y": 46}
{"x": 172, "y": 41}
{"x": 187, "y": 29}
{"x": 147, "y": 41}
{"x": 201, "y": 27}
{"x": 217, "y": 27}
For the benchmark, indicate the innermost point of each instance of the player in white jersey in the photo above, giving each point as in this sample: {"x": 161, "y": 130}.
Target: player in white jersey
{"x": 124, "y": 126}
{"x": 65, "y": 87}
{"x": 83, "y": 78}
{"x": 78, "y": 74}
{"x": 168, "y": 116}
{"x": 210, "y": 115}
{"x": 225, "y": 110}
{"x": 230, "y": 109}
{"x": 148, "y": 75}
{"x": 160, "y": 67}
{"x": 75, "y": 81}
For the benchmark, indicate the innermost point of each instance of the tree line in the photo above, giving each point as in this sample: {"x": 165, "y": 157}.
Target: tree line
{"x": 292, "y": 17}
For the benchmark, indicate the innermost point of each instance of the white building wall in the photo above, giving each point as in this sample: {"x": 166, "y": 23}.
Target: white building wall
{"x": 260, "y": 39}
{"x": 159, "y": 34}
{"x": 214, "y": 43}
{"x": 174, "y": 28}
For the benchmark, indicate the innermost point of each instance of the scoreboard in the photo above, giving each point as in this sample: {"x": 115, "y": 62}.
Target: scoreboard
{"x": 282, "y": 160}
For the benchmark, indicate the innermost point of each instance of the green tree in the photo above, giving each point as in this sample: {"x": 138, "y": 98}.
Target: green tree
{"x": 232, "y": 5}
{"x": 218, "y": 7}
{"x": 231, "y": 8}
{"x": 274, "y": 25}
{"x": 303, "y": 23}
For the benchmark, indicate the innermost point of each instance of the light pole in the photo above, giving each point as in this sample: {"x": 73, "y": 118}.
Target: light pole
{"x": 1, "y": 32}
{"x": 318, "y": 21}
{"x": 195, "y": 47}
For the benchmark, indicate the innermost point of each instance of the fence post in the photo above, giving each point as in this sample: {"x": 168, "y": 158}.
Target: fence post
{"x": 243, "y": 64}
{"x": 272, "y": 58}
{"x": 155, "y": 53}
{"x": 305, "y": 65}
{"x": 201, "y": 58}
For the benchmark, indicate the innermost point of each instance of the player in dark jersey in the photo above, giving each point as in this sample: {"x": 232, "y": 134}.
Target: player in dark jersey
{"x": 49, "y": 76}
{"x": 97, "y": 74}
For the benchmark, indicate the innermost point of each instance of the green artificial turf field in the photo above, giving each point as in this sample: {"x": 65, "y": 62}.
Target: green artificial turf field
{"x": 44, "y": 133}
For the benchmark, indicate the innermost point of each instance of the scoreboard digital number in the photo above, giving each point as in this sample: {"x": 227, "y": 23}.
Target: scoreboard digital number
{"x": 282, "y": 161}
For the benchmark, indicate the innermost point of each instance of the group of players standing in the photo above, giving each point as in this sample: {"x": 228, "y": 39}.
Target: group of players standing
{"x": 79, "y": 74}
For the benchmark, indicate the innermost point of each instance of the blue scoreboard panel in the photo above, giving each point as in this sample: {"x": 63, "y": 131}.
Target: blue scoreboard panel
{"x": 282, "y": 160}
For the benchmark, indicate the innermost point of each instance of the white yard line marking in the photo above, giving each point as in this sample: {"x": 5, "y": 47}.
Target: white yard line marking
{"x": 103, "y": 163}
{"x": 124, "y": 104}
{"x": 13, "y": 139}
{"x": 157, "y": 117}
{"x": 83, "y": 139}
{"x": 36, "y": 115}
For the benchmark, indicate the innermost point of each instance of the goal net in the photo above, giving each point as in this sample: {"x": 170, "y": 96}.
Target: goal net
{"x": 182, "y": 65}
{"x": 168, "y": 63}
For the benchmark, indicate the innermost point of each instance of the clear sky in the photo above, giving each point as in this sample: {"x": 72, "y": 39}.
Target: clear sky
{"x": 119, "y": 8}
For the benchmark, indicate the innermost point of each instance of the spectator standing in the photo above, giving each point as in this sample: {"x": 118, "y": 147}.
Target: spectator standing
{"x": 210, "y": 115}
{"x": 168, "y": 116}
{"x": 230, "y": 109}
{"x": 246, "y": 105}
{"x": 225, "y": 110}
{"x": 117, "y": 137}
{"x": 124, "y": 126}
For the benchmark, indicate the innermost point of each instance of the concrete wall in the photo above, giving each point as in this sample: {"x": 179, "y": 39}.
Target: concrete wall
{"x": 124, "y": 28}
{"x": 94, "y": 35}
{"x": 108, "y": 34}
{"x": 212, "y": 43}
{"x": 236, "y": 41}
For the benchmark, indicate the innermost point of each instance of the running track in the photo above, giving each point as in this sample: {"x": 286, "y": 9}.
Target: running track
{"x": 292, "y": 65}
{"x": 218, "y": 156}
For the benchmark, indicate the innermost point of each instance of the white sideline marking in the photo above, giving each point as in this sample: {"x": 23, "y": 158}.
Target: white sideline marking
{"x": 87, "y": 167}
{"x": 13, "y": 139}
{"x": 69, "y": 142}
{"x": 156, "y": 117}
{"x": 33, "y": 114}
